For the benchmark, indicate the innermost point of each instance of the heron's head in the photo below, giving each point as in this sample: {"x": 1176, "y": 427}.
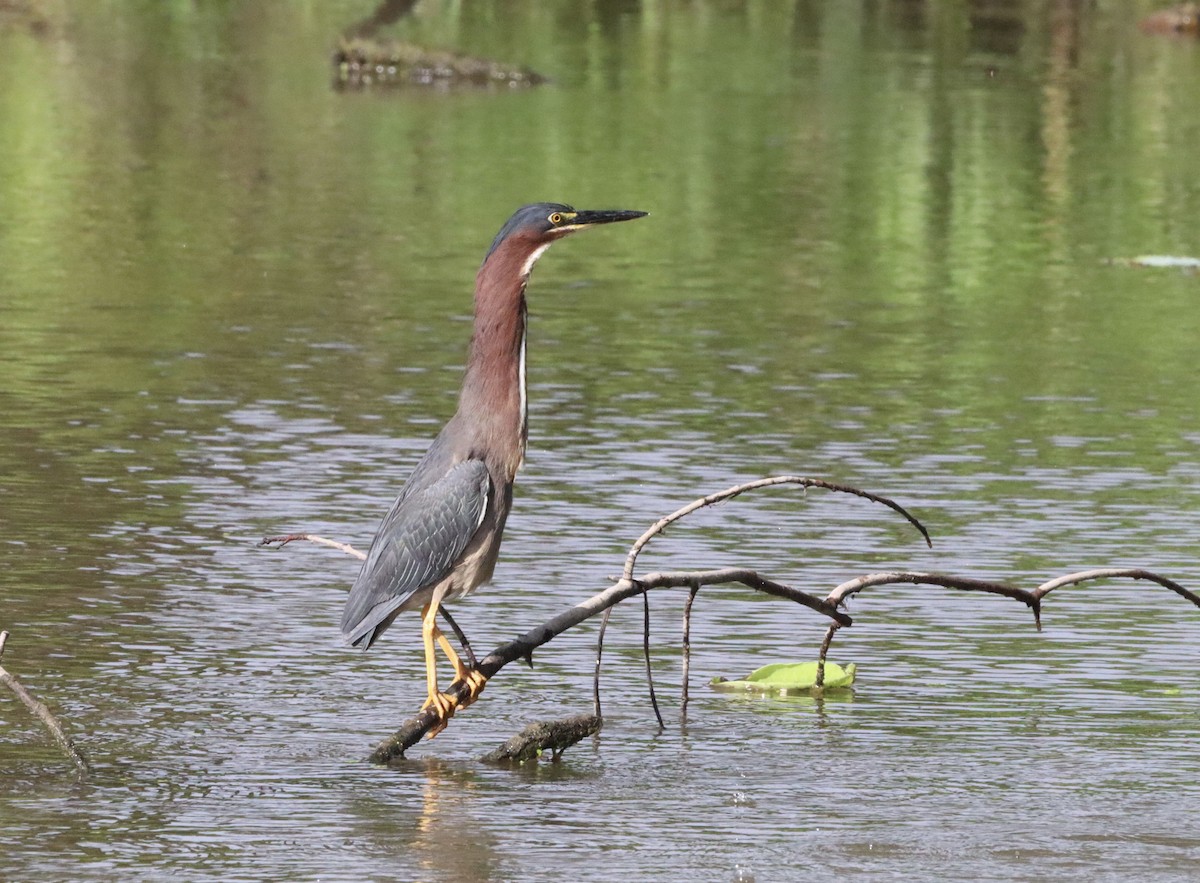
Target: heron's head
{"x": 533, "y": 228}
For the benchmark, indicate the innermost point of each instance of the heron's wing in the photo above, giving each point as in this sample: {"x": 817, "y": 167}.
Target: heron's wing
{"x": 416, "y": 546}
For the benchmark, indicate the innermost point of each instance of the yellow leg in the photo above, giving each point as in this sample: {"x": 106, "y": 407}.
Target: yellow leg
{"x": 443, "y": 704}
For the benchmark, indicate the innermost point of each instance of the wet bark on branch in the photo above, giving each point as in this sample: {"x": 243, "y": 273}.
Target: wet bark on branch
{"x": 554, "y": 736}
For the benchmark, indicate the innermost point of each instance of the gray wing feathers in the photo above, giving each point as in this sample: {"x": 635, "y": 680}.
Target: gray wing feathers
{"x": 417, "y": 546}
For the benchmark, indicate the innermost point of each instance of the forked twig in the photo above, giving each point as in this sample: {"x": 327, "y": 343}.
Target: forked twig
{"x": 711, "y": 500}
{"x": 282, "y": 541}
{"x": 1106, "y": 573}
{"x": 414, "y": 728}
{"x": 852, "y": 587}
{"x": 1031, "y": 598}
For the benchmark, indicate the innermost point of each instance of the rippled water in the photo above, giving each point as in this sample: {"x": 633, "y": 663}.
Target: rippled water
{"x": 233, "y": 303}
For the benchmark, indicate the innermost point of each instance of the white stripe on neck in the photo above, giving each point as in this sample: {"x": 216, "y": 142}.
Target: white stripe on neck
{"x": 533, "y": 258}
{"x": 523, "y": 428}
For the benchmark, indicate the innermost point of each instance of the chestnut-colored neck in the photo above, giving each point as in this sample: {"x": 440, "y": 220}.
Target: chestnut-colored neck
{"x": 492, "y": 403}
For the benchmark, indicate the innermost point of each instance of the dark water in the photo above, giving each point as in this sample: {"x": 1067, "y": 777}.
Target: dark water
{"x": 234, "y": 302}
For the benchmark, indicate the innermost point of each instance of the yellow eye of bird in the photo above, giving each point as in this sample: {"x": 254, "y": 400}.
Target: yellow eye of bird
{"x": 556, "y": 219}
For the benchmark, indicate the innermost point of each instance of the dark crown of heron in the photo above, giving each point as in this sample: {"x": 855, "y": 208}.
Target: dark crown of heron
{"x": 534, "y": 225}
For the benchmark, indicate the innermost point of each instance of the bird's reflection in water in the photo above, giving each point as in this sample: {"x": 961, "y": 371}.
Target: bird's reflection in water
{"x": 425, "y": 819}
{"x": 450, "y": 842}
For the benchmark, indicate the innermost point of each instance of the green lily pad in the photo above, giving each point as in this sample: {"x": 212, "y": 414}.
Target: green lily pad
{"x": 788, "y": 679}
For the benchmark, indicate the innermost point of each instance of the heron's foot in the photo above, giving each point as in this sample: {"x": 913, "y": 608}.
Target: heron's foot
{"x": 443, "y": 705}
{"x": 474, "y": 681}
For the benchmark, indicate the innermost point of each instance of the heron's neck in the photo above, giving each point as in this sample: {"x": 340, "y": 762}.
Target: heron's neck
{"x": 493, "y": 400}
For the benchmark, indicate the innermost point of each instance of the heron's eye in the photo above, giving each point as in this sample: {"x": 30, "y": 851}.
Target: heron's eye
{"x": 555, "y": 219}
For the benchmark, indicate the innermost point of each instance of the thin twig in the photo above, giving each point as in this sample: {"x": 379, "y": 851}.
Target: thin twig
{"x": 711, "y": 499}
{"x": 42, "y": 713}
{"x": 1032, "y": 599}
{"x": 851, "y": 587}
{"x": 820, "y": 681}
{"x": 522, "y": 648}
{"x": 282, "y": 541}
{"x": 646, "y": 653}
{"x": 599, "y": 655}
{"x": 693, "y": 590}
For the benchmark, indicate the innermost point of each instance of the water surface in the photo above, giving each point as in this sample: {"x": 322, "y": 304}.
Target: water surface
{"x": 234, "y": 302}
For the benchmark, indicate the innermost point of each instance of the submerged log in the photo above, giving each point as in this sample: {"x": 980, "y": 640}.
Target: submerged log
{"x": 365, "y": 63}
{"x": 554, "y": 736}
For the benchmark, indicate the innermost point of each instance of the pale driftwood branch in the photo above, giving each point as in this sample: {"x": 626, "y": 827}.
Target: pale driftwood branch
{"x": 522, "y": 648}
{"x": 712, "y": 499}
{"x": 43, "y": 714}
{"x": 1031, "y": 598}
{"x": 851, "y": 587}
{"x": 1114, "y": 573}
{"x": 556, "y": 736}
{"x": 312, "y": 538}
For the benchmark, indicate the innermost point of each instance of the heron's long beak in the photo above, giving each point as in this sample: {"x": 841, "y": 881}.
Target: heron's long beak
{"x": 604, "y": 216}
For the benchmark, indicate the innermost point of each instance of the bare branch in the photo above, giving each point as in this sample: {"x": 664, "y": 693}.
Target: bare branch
{"x": 1032, "y": 599}
{"x": 414, "y": 728}
{"x": 43, "y": 714}
{"x": 1108, "y": 573}
{"x": 312, "y": 538}
{"x": 851, "y": 587}
{"x": 712, "y": 499}
{"x": 522, "y": 648}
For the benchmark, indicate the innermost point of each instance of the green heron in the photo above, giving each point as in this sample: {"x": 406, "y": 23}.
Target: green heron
{"x": 441, "y": 537}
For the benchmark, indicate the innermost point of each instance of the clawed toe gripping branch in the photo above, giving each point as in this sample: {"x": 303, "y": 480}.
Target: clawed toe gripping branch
{"x": 629, "y": 585}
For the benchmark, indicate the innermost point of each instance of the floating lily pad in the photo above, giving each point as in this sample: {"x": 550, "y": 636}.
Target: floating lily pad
{"x": 788, "y": 679}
